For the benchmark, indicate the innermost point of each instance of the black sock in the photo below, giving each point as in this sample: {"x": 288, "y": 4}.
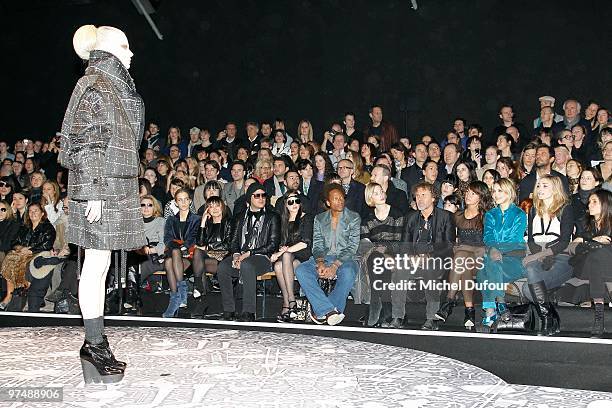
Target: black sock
{"x": 94, "y": 329}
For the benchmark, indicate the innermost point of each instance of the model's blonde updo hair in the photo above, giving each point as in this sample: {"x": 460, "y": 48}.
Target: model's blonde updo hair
{"x": 84, "y": 40}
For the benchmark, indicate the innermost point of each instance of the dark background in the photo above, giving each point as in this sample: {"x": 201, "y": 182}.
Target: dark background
{"x": 260, "y": 59}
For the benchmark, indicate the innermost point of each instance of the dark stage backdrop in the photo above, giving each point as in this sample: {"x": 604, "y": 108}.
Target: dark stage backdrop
{"x": 259, "y": 59}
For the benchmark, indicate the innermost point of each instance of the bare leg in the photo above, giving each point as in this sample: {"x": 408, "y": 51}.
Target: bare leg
{"x": 9, "y": 292}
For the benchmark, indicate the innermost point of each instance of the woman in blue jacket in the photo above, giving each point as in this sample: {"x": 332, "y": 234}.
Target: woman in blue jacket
{"x": 180, "y": 235}
{"x": 503, "y": 236}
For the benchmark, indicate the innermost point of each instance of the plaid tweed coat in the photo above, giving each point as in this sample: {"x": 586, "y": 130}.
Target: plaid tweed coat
{"x": 101, "y": 133}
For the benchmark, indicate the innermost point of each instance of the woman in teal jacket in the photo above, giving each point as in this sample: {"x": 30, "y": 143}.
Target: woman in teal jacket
{"x": 504, "y": 230}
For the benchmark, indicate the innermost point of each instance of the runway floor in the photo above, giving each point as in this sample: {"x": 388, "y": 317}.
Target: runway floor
{"x": 193, "y": 367}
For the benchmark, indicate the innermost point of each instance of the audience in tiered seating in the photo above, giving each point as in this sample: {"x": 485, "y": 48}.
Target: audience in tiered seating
{"x": 532, "y": 204}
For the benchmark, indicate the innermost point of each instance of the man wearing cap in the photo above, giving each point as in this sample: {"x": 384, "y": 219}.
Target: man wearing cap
{"x": 194, "y": 140}
{"x": 547, "y": 101}
{"x": 255, "y": 236}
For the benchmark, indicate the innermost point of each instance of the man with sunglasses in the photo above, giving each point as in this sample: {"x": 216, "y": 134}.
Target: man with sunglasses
{"x": 255, "y": 237}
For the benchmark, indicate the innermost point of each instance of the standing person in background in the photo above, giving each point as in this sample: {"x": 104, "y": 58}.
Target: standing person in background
{"x": 383, "y": 129}
{"x": 349, "y": 126}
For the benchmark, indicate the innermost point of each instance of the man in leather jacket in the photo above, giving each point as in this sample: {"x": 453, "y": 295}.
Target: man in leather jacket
{"x": 255, "y": 236}
{"x": 430, "y": 233}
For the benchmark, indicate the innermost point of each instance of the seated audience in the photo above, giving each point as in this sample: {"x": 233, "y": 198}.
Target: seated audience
{"x": 593, "y": 254}
{"x": 335, "y": 242}
{"x": 470, "y": 246}
{"x": 255, "y": 237}
{"x": 549, "y": 230}
{"x": 382, "y": 230}
{"x": 429, "y": 234}
{"x": 212, "y": 246}
{"x": 295, "y": 248}
{"x": 503, "y": 236}
{"x": 34, "y": 236}
{"x": 180, "y": 234}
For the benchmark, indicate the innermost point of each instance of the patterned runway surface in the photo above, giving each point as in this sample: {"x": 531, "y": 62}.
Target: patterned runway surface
{"x": 182, "y": 367}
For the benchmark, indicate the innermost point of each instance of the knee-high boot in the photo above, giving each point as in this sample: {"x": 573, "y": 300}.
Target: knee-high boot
{"x": 540, "y": 299}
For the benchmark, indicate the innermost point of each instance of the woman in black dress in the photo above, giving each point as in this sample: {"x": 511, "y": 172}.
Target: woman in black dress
{"x": 212, "y": 246}
{"x": 295, "y": 248}
{"x": 468, "y": 250}
{"x": 594, "y": 242}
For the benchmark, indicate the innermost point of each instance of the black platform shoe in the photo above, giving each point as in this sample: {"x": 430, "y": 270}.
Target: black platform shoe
{"x": 446, "y": 308}
{"x": 469, "y": 321}
{"x": 97, "y": 364}
{"x": 119, "y": 364}
{"x": 598, "y": 321}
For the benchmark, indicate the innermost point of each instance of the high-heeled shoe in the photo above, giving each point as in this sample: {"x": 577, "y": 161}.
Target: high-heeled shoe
{"x": 182, "y": 290}
{"x": 597, "y": 331}
{"x": 489, "y": 323}
{"x": 173, "y": 305}
{"x": 293, "y": 311}
{"x": 97, "y": 366}
{"x": 469, "y": 321}
{"x": 119, "y": 364}
{"x": 283, "y": 316}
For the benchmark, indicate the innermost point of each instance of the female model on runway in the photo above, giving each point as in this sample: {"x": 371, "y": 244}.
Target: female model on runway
{"x": 101, "y": 132}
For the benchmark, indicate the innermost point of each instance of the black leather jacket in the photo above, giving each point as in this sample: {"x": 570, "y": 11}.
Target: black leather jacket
{"x": 442, "y": 238}
{"x": 215, "y": 237}
{"x": 268, "y": 240}
{"x": 39, "y": 239}
{"x": 9, "y": 229}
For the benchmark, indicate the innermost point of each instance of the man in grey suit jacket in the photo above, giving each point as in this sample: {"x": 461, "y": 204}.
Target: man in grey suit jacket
{"x": 335, "y": 242}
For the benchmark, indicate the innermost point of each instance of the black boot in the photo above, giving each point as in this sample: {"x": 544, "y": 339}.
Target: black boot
{"x": 119, "y": 364}
{"x": 555, "y": 320}
{"x": 200, "y": 306}
{"x": 97, "y": 365}
{"x": 540, "y": 299}
{"x": 598, "y": 322}
{"x": 446, "y": 308}
{"x": 469, "y": 321}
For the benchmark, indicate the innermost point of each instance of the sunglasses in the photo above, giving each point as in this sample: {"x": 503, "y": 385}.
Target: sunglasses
{"x": 292, "y": 201}
{"x": 2, "y": 209}
{"x": 260, "y": 195}
{"x": 143, "y": 205}
{"x": 3, "y": 184}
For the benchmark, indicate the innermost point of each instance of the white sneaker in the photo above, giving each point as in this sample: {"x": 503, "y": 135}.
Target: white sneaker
{"x": 335, "y": 318}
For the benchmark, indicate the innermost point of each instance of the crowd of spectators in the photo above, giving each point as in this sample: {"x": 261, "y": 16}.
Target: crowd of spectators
{"x": 532, "y": 200}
